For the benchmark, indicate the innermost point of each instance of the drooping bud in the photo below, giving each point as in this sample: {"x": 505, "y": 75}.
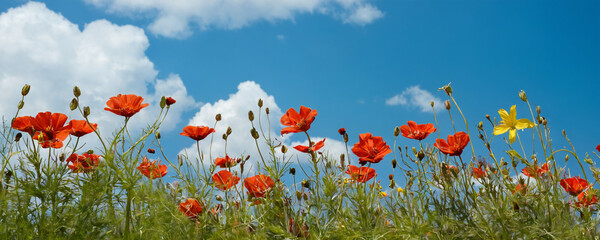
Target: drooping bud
{"x": 86, "y": 111}
{"x": 76, "y": 91}
{"x": 394, "y": 163}
{"x": 229, "y": 131}
{"x": 25, "y": 90}
{"x": 523, "y": 96}
{"x": 250, "y": 115}
{"x": 283, "y": 149}
{"x": 447, "y": 104}
{"x": 74, "y": 104}
{"x": 21, "y": 104}
{"x": 163, "y": 102}
{"x": 305, "y": 183}
{"x": 218, "y": 117}
{"x": 396, "y": 131}
{"x": 254, "y": 133}
{"x": 18, "y": 137}
{"x": 293, "y": 171}
{"x": 224, "y": 136}
{"x": 260, "y": 103}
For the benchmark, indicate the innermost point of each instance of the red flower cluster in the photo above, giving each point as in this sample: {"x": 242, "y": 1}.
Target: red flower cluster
{"x": 151, "y": 169}
{"x": 258, "y": 185}
{"x": 315, "y": 147}
{"x": 48, "y": 128}
{"x": 479, "y": 172}
{"x": 226, "y": 162}
{"x": 535, "y": 171}
{"x": 362, "y": 174}
{"x": 84, "y": 162}
{"x": 125, "y": 105}
{"x": 197, "y": 132}
{"x": 417, "y": 131}
{"x": 455, "y": 145}
{"x": 370, "y": 149}
{"x": 297, "y": 122}
{"x": 225, "y": 180}
{"x": 574, "y": 185}
{"x": 585, "y": 199}
{"x": 191, "y": 208}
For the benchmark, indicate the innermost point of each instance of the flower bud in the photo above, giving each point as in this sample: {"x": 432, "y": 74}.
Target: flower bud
{"x": 86, "y": 111}
{"x": 431, "y": 103}
{"x": 342, "y": 131}
{"x": 391, "y": 176}
{"x": 447, "y": 104}
{"x": 538, "y": 109}
{"x": 90, "y": 151}
{"x": 260, "y": 103}
{"x": 76, "y": 91}
{"x": 157, "y": 134}
{"x": 25, "y": 90}
{"x": 305, "y": 183}
{"x": 414, "y": 150}
{"x": 254, "y": 133}
{"x": 284, "y": 149}
{"x": 21, "y": 104}
{"x": 305, "y": 197}
{"x": 74, "y": 104}
{"x": 447, "y": 89}
{"x": 18, "y": 137}
{"x": 480, "y": 125}
{"x": 487, "y": 116}
{"x": 293, "y": 171}
{"x": 394, "y": 163}
{"x": 219, "y": 198}
{"x": 396, "y": 131}
{"x": 62, "y": 157}
{"x": 400, "y": 149}
{"x": 218, "y": 117}
{"x": 589, "y": 161}
{"x": 345, "y": 137}
{"x": 267, "y": 111}
{"x": 564, "y": 133}
{"x": 540, "y": 120}
{"x": 229, "y": 131}
{"x": 392, "y": 183}
{"x": 420, "y": 155}
{"x": 298, "y": 195}
{"x": 523, "y": 96}
{"x": 151, "y": 151}
{"x": 224, "y": 136}
{"x": 163, "y": 102}
{"x": 343, "y": 159}
{"x": 545, "y": 122}
{"x": 566, "y": 158}
{"x": 251, "y": 115}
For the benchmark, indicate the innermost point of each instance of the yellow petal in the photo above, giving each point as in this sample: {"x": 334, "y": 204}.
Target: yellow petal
{"x": 500, "y": 129}
{"x": 513, "y": 113}
{"x": 503, "y": 115}
{"x": 512, "y": 135}
{"x": 524, "y": 123}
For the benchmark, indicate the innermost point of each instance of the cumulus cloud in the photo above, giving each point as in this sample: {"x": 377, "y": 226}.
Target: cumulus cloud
{"x": 415, "y": 97}
{"x": 179, "y": 18}
{"x": 234, "y": 112}
{"x": 44, "y": 49}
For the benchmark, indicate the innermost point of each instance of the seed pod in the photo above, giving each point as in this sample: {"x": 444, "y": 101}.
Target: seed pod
{"x": 229, "y": 131}
{"x": 25, "y": 90}
{"x": 394, "y": 163}
{"x": 163, "y": 102}
{"x": 18, "y": 137}
{"x": 76, "y": 91}
{"x": 254, "y": 133}
{"x": 218, "y": 117}
{"x": 74, "y": 104}
{"x": 293, "y": 171}
{"x": 523, "y": 96}
{"x": 396, "y": 131}
{"x": 251, "y": 115}
{"x": 260, "y": 102}
{"x": 447, "y": 104}
{"x": 86, "y": 111}
{"x": 283, "y": 149}
{"x": 21, "y": 104}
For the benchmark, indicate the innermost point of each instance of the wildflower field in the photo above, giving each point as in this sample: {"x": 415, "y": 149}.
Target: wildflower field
{"x": 126, "y": 187}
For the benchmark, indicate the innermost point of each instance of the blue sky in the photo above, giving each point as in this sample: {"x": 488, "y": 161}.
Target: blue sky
{"x": 321, "y": 57}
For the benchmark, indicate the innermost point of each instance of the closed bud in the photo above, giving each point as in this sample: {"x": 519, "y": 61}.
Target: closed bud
{"x": 394, "y": 163}
{"x": 538, "y": 109}
{"x": 298, "y": 195}
{"x": 487, "y": 116}
{"x": 260, "y": 103}
{"x": 392, "y": 183}
{"x": 396, "y": 131}
{"x": 251, "y": 115}
{"x": 284, "y": 149}
{"x": 219, "y": 198}
{"x": 514, "y": 164}
{"x": 345, "y": 137}
{"x": 224, "y": 136}
{"x": 431, "y": 103}
{"x": 305, "y": 197}
{"x": 157, "y": 134}
{"x": 564, "y": 133}
{"x": 229, "y": 131}
{"x": 523, "y": 96}
{"x": 254, "y": 133}
{"x": 420, "y": 155}
{"x": 267, "y": 111}
{"x": 566, "y": 158}
{"x": 540, "y": 120}
{"x": 480, "y": 136}
{"x": 447, "y": 104}
{"x": 588, "y": 161}
{"x": 480, "y": 125}
{"x": 400, "y": 149}
{"x": 414, "y": 150}
{"x": 61, "y": 157}
{"x": 343, "y": 160}
{"x": 21, "y": 104}
{"x": 545, "y": 122}
{"x": 90, "y": 151}
{"x": 163, "y": 102}
{"x": 391, "y": 176}
{"x": 18, "y": 137}
{"x": 25, "y": 90}
{"x": 86, "y": 111}
{"x": 305, "y": 183}
{"x": 76, "y": 91}
{"x": 74, "y": 104}
{"x": 218, "y": 117}
{"x": 293, "y": 171}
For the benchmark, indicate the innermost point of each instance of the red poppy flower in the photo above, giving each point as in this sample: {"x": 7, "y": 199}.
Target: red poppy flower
{"x": 417, "y": 131}
{"x": 574, "y": 185}
{"x": 197, "y": 132}
{"x": 84, "y": 162}
{"x": 170, "y": 101}
{"x": 342, "y": 131}
{"x": 50, "y": 129}
{"x": 455, "y": 145}
{"x": 520, "y": 188}
{"x": 125, "y": 105}
{"x": 362, "y": 174}
{"x": 297, "y": 122}
{"x": 258, "y": 185}
{"x": 537, "y": 172}
{"x": 598, "y": 148}
{"x": 370, "y": 149}
{"x": 151, "y": 169}
{"x": 225, "y": 180}
{"x": 584, "y": 199}
{"x": 314, "y": 148}
{"x": 23, "y": 124}
{"x": 80, "y": 128}
{"x": 479, "y": 173}
{"x": 226, "y": 162}
{"x": 191, "y": 208}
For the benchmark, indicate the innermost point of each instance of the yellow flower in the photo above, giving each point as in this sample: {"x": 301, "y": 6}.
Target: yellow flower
{"x": 400, "y": 190}
{"x": 383, "y": 194}
{"x": 510, "y": 123}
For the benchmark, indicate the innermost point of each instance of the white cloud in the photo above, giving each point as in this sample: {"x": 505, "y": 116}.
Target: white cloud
{"x": 178, "y": 18}
{"x": 415, "y": 97}
{"x": 281, "y": 37}
{"x": 44, "y": 49}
